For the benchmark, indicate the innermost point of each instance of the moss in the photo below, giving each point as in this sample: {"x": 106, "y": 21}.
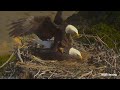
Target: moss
{"x": 4, "y": 58}
{"x": 105, "y": 24}
{"x": 110, "y": 35}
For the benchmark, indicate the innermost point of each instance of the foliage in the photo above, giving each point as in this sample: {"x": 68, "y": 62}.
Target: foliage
{"x": 108, "y": 34}
{"x": 4, "y": 58}
{"x": 105, "y": 24}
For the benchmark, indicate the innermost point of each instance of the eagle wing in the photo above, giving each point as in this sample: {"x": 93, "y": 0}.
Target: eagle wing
{"x": 42, "y": 26}
{"x": 58, "y": 18}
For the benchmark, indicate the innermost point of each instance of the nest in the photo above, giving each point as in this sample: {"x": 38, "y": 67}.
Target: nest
{"x": 100, "y": 62}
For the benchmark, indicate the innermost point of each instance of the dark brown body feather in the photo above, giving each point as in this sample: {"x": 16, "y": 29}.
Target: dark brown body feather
{"x": 58, "y": 18}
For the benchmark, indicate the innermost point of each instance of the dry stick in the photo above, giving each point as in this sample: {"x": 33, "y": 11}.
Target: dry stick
{"x": 77, "y": 74}
{"x": 42, "y": 73}
{"x": 95, "y": 37}
{"x": 101, "y": 41}
{"x": 101, "y": 67}
{"x": 19, "y": 55}
{"x": 51, "y": 74}
{"x": 103, "y": 37}
{"x": 8, "y": 60}
{"x": 118, "y": 56}
{"x": 34, "y": 58}
{"x": 116, "y": 47}
{"x": 108, "y": 63}
{"x": 91, "y": 36}
{"x": 86, "y": 37}
{"x": 98, "y": 38}
{"x": 86, "y": 74}
{"x": 36, "y": 73}
{"x": 11, "y": 74}
{"x": 115, "y": 65}
{"x": 114, "y": 42}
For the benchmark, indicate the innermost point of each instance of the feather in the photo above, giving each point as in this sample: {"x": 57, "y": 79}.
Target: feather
{"x": 33, "y": 24}
{"x": 58, "y": 18}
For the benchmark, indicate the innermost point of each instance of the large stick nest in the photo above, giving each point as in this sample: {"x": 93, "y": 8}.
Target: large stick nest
{"x": 98, "y": 59}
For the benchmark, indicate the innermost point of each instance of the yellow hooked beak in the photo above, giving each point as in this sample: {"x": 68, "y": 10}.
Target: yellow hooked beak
{"x": 81, "y": 58}
{"x": 76, "y": 36}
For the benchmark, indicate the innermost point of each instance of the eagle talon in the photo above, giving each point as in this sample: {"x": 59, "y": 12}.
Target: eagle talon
{"x": 61, "y": 50}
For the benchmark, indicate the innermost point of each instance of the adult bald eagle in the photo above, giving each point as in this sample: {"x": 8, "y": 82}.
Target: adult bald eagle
{"x": 45, "y": 29}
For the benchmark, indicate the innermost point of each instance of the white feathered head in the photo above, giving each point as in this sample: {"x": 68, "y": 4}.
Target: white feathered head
{"x": 75, "y": 53}
{"x": 71, "y": 30}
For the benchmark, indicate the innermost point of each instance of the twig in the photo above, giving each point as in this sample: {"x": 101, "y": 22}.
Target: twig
{"x": 8, "y": 60}
{"x": 11, "y": 74}
{"x": 89, "y": 36}
{"x": 36, "y": 73}
{"x": 115, "y": 65}
{"x": 42, "y": 73}
{"x": 108, "y": 63}
{"x": 51, "y": 75}
{"x": 100, "y": 40}
{"x": 77, "y": 74}
{"x": 19, "y": 55}
{"x": 34, "y": 58}
{"x": 101, "y": 67}
{"x": 118, "y": 56}
{"x": 86, "y": 74}
{"x": 97, "y": 37}
{"x": 86, "y": 37}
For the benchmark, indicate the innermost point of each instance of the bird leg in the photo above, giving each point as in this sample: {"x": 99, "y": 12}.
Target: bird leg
{"x": 57, "y": 48}
{"x": 54, "y": 47}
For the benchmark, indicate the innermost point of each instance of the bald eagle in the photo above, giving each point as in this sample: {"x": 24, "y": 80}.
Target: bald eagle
{"x": 45, "y": 29}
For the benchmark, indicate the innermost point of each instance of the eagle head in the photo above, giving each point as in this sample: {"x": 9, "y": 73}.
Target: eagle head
{"x": 72, "y": 30}
{"x": 75, "y": 53}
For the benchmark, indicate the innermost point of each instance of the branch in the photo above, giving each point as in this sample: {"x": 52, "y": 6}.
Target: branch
{"x": 37, "y": 74}
{"x": 86, "y": 74}
{"x": 52, "y": 74}
{"x": 19, "y": 55}
{"x": 100, "y": 40}
{"x": 34, "y": 58}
